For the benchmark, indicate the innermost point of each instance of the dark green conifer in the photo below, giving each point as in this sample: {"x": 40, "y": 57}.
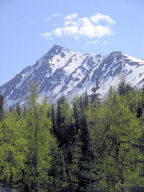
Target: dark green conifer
{"x": 95, "y": 96}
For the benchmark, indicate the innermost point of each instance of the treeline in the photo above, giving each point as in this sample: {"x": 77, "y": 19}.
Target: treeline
{"x": 93, "y": 145}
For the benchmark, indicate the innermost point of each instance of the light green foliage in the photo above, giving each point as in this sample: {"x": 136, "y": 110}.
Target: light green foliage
{"x": 13, "y": 147}
{"x": 45, "y": 140}
{"x": 40, "y": 141}
{"x": 121, "y": 159}
{"x": 92, "y": 146}
{"x": 26, "y": 145}
{"x": 115, "y": 132}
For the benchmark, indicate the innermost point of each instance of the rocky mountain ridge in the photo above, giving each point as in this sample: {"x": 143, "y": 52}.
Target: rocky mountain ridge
{"x": 65, "y": 72}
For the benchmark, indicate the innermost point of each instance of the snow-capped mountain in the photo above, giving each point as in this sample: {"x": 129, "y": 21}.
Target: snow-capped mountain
{"x": 65, "y": 72}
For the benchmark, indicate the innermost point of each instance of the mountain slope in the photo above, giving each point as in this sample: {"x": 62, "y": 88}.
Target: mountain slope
{"x": 64, "y": 72}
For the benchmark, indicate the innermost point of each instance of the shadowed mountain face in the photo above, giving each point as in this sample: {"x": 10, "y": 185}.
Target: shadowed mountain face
{"x": 65, "y": 72}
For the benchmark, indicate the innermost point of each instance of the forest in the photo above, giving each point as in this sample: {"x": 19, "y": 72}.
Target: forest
{"x": 94, "y": 144}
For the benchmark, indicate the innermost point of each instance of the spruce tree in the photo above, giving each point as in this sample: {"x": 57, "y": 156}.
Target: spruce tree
{"x": 95, "y": 96}
{"x": 53, "y": 120}
{"x": 85, "y": 162}
{"x": 18, "y": 109}
{"x": 123, "y": 87}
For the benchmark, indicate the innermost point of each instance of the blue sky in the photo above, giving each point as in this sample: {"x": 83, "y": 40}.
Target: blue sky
{"x": 29, "y": 28}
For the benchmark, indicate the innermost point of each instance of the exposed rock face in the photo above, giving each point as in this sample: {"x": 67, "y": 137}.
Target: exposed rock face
{"x": 64, "y": 72}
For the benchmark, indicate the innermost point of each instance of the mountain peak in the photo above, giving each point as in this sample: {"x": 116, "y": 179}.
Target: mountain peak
{"x": 57, "y": 47}
{"x": 116, "y": 53}
{"x": 64, "y": 72}
{"x": 56, "y": 50}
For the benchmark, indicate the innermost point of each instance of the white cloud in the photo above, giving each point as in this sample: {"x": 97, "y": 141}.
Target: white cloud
{"x": 100, "y": 17}
{"x": 71, "y": 23}
{"x": 46, "y": 35}
{"x": 72, "y": 16}
{"x": 90, "y": 30}
{"x": 89, "y": 27}
{"x": 58, "y": 32}
{"x": 67, "y": 31}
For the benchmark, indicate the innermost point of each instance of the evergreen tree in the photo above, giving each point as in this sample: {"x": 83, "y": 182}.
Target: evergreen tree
{"x": 95, "y": 96}
{"x": 86, "y": 147}
{"x": 86, "y": 100}
{"x": 18, "y": 109}
{"x": 85, "y": 165}
{"x": 77, "y": 113}
{"x": 53, "y": 120}
{"x": 123, "y": 87}
{"x": 63, "y": 121}
{"x": 57, "y": 172}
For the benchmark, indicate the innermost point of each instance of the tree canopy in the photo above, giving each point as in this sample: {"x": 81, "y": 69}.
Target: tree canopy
{"x": 91, "y": 145}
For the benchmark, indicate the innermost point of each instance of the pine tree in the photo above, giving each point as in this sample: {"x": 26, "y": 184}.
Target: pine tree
{"x": 18, "y": 109}
{"x": 95, "y": 96}
{"x": 63, "y": 121}
{"x": 76, "y": 116}
{"x": 85, "y": 162}
{"x": 86, "y": 100}
{"x": 123, "y": 87}
{"x": 96, "y": 119}
{"x": 57, "y": 172}
{"x": 53, "y": 120}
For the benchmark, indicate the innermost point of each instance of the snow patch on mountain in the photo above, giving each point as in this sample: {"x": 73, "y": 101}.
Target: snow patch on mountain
{"x": 65, "y": 72}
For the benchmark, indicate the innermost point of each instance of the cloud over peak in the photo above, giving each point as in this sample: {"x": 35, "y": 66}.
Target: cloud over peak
{"x": 90, "y": 27}
{"x": 100, "y": 17}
